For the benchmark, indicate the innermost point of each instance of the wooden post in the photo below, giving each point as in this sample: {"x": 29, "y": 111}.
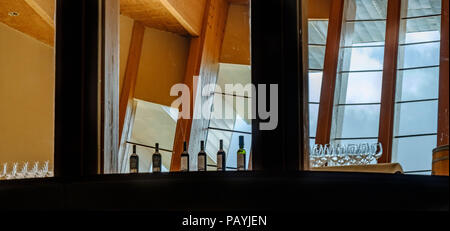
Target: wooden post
{"x": 387, "y": 108}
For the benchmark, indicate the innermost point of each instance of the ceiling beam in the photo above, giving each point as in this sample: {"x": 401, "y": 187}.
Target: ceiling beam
{"x": 29, "y": 17}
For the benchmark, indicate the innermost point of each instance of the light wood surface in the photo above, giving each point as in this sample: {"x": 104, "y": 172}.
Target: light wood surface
{"x": 188, "y": 13}
{"x": 32, "y": 19}
{"x": 236, "y": 42}
{"x": 373, "y": 168}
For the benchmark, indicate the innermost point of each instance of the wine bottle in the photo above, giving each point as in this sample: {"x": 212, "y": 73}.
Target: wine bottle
{"x": 156, "y": 159}
{"x": 221, "y": 166}
{"x": 241, "y": 155}
{"x": 201, "y": 158}
{"x": 134, "y": 161}
{"x": 184, "y": 159}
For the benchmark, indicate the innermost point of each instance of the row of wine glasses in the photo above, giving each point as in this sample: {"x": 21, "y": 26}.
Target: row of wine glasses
{"x": 37, "y": 170}
{"x": 345, "y": 154}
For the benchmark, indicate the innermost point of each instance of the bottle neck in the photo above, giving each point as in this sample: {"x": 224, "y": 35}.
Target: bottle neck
{"x": 202, "y": 146}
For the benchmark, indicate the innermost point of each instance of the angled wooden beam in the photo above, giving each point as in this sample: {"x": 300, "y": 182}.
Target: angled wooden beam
{"x": 188, "y": 13}
{"x": 329, "y": 72}
{"x": 131, "y": 72}
{"x": 204, "y": 53}
{"x": 443, "y": 111}
{"x": 38, "y": 7}
{"x": 389, "y": 83}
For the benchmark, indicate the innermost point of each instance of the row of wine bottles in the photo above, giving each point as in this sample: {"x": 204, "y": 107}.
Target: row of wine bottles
{"x": 201, "y": 158}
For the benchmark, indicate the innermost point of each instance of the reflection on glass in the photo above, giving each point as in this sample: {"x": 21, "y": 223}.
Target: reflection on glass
{"x": 419, "y": 55}
{"x": 317, "y": 31}
{"x": 416, "y": 8}
{"x": 361, "y": 87}
{"x": 358, "y": 121}
{"x": 316, "y": 56}
{"x": 417, "y": 84}
{"x": 416, "y": 118}
{"x": 365, "y": 33}
{"x": 421, "y": 29}
{"x": 366, "y": 9}
{"x": 315, "y": 86}
{"x": 313, "y": 116}
{"x": 362, "y": 59}
{"x": 414, "y": 153}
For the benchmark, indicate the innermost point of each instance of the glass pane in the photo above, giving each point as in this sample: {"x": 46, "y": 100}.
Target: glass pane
{"x": 315, "y": 86}
{"x": 416, "y": 118}
{"x": 421, "y": 29}
{"x": 356, "y": 141}
{"x": 414, "y": 153}
{"x": 311, "y": 143}
{"x": 419, "y": 55}
{"x": 238, "y": 76}
{"x": 154, "y": 123}
{"x": 362, "y": 58}
{"x": 145, "y": 159}
{"x": 361, "y": 87}
{"x": 421, "y": 7}
{"x": 366, "y": 9}
{"x": 358, "y": 121}
{"x": 418, "y": 84}
{"x": 365, "y": 33}
{"x": 313, "y": 116}
{"x": 230, "y": 146}
{"x": 231, "y": 113}
{"x": 317, "y": 31}
{"x": 316, "y": 56}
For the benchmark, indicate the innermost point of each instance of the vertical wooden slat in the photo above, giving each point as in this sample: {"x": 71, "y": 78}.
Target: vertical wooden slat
{"x": 443, "y": 111}
{"x": 330, "y": 72}
{"x": 110, "y": 87}
{"x": 203, "y": 60}
{"x": 131, "y": 71}
{"x": 387, "y": 108}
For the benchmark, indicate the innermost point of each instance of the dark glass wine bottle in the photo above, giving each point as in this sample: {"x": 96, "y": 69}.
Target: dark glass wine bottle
{"x": 201, "y": 158}
{"x": 221, "y": 161}
{"x": 156, "y": 159}
{"x": 184, "y": 159}
{"x": 134, "y": 161}
{"x": 241, "y": 155}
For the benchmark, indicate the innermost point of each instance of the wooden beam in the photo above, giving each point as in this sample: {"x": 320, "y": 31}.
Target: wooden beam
{"x": 443, "y": 111}
{"x": 188, "y": 13}
{"x": 110, "y": 86}
{"x": 329, "y": 72}
{"x": 319, "y": 9}
{"x": 389, "y": 83}
{"x": 203, "y": 58}
{"x": 31, "y": 19}
{"x": 44, "y": 14}
{"x": 131, "y": 71}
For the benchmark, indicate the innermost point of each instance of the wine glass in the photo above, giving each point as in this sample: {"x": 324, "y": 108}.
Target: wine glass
{"x": 378, "y": 154}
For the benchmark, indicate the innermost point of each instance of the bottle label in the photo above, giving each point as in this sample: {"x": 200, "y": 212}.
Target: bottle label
{"x": 156, "y": 164}
{"x": 133, "y": 165}
{"x": 219, "y": 162}
{"x": 201, "y": 163}
{"x": 241, "y": 162}
{"x": 184, "y": 164}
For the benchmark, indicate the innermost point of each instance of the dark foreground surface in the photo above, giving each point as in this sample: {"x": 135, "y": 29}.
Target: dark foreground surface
{"x": 230, "y": 191}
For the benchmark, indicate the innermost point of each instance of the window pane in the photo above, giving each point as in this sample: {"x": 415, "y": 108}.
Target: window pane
{"x": 414, "y": 153}
{"x": 316, "y": 56}
{"x": 416, "y": 118}
{"x": 230, "y": 146}
{"x": 418, "y": 84}
{"x": 366, "y": 9}
{"x": 362, "y": 59}
{"x": 356, "y": 141}
{"x": 358, "y": 121}
{"x": 361, "y": 87}
{"x": 231, "y": 113}
{"x": 317, "y": 31}
{"x": 421, "y": 7}
{"x": 315, "y": 86}
{"x": 313, "y": 116}
{"x": 366, "y": 32}
{"x": 419, "y": 55}
{"x": 421, "y": 29}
